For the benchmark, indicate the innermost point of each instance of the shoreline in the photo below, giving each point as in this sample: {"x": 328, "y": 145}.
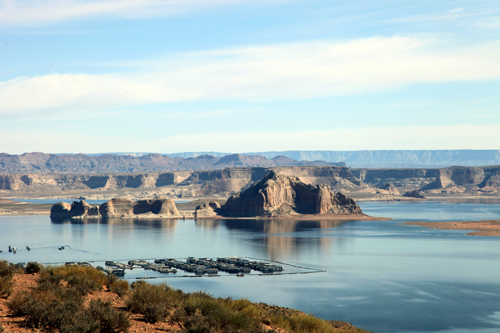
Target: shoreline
{"x": 305, "y": 217}
{"x": 17, "y": 208}
{"x": 489, "y": 228}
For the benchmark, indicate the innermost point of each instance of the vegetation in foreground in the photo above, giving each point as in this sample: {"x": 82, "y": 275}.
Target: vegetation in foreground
{"x": 60, "y": 302}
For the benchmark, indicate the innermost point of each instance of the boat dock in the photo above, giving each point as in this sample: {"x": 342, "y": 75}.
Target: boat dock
{"x": 195, "y": 267}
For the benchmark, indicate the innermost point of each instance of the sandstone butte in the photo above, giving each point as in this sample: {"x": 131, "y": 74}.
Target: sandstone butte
{"x": 281, "y": 195}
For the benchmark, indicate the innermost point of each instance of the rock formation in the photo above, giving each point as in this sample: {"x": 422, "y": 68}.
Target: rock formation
{"x": 208, "y": 209}
{"x": 281, "y": 195}
{"x": 117, "y": 207}
{"x": 389, "y": 189}
{"x": 414, "y": 194}
{"x": 77, "y": 209}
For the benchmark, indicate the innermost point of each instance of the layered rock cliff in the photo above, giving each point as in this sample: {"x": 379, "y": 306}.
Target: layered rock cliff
{"x": 281, "y": 195}
{"x": 467, "y": 178}
{"x": 230, "y": 181}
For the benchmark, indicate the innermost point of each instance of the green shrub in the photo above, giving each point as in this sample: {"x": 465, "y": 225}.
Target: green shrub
{"x": 60, "y": 308}
{"x": 6, "y": 272}
{"x": 116, "y": 285}
{"x": 5, "y": 286}
{"x": 33, "y": 267}
{"x": 109, "y": 319}
{"x": 152, "y": 301}
{"x": 91, "y": 273}
{"x": 80, "y": 279}
{"x": 17, "y": 301}
{"x": 2, "y": 329}
{"x": 49, "y": 309}
{"x": 6, "y": 269}
{"x": 218, "y": 314}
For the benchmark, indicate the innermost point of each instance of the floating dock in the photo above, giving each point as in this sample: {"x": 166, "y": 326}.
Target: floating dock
{"x": 195, "y": 267}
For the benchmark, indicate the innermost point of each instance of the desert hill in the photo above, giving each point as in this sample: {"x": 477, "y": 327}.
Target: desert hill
{"x": 111, "y": 163}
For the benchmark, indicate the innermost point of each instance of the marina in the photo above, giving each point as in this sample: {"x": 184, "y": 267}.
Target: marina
{"x": 193, "y": 267}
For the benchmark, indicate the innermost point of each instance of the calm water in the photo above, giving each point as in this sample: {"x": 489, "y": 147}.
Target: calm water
{"x": 379, "y": 275}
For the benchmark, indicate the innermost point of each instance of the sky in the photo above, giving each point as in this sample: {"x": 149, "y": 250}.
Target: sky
{"x": 167, "y": 76}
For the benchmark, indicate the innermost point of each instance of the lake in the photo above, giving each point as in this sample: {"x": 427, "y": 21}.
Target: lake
{"x": 379, "y": 275}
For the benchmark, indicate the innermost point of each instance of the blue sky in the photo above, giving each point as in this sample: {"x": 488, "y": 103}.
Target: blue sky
{"x": 241, "y": 76}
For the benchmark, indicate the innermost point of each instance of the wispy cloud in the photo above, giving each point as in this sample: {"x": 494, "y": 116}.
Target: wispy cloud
{"x": 263, "y": 73}
{"x": 34, "y": 12}
{"x": 479, "y": 15}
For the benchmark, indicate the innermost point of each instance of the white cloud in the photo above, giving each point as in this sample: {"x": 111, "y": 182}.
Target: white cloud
{"x": 362, "y": 138}
{"x": 35, "y": 12}
{"x": 276, "y": 72}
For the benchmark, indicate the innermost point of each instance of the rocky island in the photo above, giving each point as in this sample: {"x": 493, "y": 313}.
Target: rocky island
{"x": 282, "y": 195}
{"x": 117, "y": 207}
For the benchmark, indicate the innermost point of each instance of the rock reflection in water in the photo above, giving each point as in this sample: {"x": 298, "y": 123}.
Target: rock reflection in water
{"x": 148, "y": 223}
{"x": 273, "y": 235}
{"x": 208, "y": 224}
{"x": 119, "y": 229}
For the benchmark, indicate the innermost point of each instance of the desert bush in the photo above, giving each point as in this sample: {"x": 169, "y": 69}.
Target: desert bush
{"x": 80, "y": 279}
{"x": 197, "y": 324}
{"x": 309, "y": 323}
{"x": 83, "y": 284}
{"x": 56, "y": 307}
{"x": 90, "y": 272}
{"x": 152, "y": 301}
{"x": 2, "y": 329}
{"x": 51, "y": 309}
{"x": 116, "y": 285}
{"x": 6, "y": 269}
{"x": 6, "y": 272}
{"x": 109, "y": 319}
{"x": 218, "y": 314}
{"x": 5, "y": 286}
{"x": 33, "y": 267}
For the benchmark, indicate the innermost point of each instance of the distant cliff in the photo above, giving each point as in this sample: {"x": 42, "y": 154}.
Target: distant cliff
{"x": 232, "y": 180}
{"x": 387, "y": 158}
{"x": 457, "y": 178}
{"x": 111, "y": 163}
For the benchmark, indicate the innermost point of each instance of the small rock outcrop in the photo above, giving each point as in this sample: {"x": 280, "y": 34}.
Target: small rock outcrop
{"x": 78, "y": 209}
{"x": 414, "y": 194}
{"x": 281, "y": 195}
{"x": 389, "y": 189}
{"x": 116, "y": 207}
{"x": 208, "y": 209}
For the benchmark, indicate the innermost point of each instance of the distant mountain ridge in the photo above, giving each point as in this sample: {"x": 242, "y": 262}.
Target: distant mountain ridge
{"x": 112, "y": 163}
{"x": 386, "y": 158}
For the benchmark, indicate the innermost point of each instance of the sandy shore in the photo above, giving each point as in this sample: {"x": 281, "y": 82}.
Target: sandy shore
{"x": 11, "y": 207}
{"x": 482, "y": 228}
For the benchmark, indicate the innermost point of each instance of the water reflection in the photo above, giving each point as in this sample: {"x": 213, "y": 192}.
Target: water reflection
{"x": 273, "y": 239}
{"x": 280, "y": 241}
{"x": 279, "y": 226}
{"x": 147, "y": 223}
